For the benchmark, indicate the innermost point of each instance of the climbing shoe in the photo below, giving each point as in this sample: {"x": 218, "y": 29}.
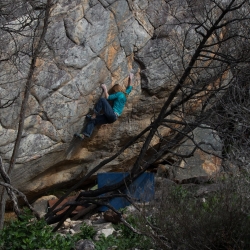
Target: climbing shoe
{"x": 88, "y": 117}
{"x": 81, "y": 136}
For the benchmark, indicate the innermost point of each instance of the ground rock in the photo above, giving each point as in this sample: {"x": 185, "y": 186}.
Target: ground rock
{"x": 161, "y": 182}
{"x": 41, "y": 204}
{"x": 203, "y": 190}
{"x": 111, "y": 216}
{"x": 78, "y": 224}
{"x": 100, "y": 226}
{"x": 105, "y": 231}
{"x": 85, "y": 245}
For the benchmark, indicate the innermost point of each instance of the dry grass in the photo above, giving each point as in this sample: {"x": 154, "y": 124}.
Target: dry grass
{"x": 9, "y": 216}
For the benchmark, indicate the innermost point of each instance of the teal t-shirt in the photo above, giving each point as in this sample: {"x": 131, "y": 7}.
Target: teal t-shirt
{"x": 119, "y": 99}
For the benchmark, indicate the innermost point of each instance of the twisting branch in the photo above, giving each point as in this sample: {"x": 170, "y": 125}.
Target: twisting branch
{"x": 12, "y": 192}
{"x": 37, "y": 47}
{"x": 35, "y": 55}
{"x": 18, "y": 193}
{"x": 191, "y": 89}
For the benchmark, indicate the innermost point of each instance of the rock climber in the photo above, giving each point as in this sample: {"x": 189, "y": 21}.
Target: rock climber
{"x": 104, "y": 113}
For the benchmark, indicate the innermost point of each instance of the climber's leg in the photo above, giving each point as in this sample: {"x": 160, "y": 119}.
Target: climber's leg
{"x": 104, "y": 106}
{"x": 81, "y": 136}
{"x": 99, "y": 120}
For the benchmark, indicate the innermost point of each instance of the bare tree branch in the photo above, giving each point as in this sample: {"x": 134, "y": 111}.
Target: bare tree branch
{"x": 37, "y": 47}
{"x": 202, "y": 81}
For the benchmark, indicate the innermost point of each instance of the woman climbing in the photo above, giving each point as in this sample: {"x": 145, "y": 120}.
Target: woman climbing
{"x": 103, "y": 112}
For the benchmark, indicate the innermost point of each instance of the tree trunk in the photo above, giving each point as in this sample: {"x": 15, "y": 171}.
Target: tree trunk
{"x": 35, "y": 54}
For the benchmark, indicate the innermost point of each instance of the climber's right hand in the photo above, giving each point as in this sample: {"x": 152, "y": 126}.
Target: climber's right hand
{"x": 104, "y": 87}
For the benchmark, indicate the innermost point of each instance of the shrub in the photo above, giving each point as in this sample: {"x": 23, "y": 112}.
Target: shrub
{"x": 126, "y": 239}
{"x": 29, "y": 233}
{"x": 87, "y": 232}
{"x": 219, "y": 220}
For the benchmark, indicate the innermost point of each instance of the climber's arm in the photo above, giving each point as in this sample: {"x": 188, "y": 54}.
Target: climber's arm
{"x": 130, "y": 82}
{"x": 105, "y": 91}
{"x": 130, "y": 79}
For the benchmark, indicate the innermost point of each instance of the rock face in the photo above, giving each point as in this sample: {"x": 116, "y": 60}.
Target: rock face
{"x": 206, "y": 159}
{"x": 88, "y": 42}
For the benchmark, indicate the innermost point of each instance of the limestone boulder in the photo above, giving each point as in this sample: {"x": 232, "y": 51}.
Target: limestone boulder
{"x": 88, "y": 42}
{"x": 204, "y": 148}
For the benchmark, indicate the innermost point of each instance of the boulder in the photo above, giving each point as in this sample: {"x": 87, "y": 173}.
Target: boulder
{"x": 88, "y": 43}
{"x": 205, "y": 161}
{"x": 85, "y": 245}
{"x": 41, "y": 204}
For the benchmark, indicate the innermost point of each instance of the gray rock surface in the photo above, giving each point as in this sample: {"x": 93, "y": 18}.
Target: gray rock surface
{"x": 85, "y": 245}
{"x": 87, "y": 43}
{"x": 206, "y": 159}
{"x": 41, "y": 204}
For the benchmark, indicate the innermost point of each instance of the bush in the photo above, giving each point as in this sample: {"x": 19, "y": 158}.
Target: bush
{"x": 126, "y": 239}
{"x": 87, "y": 232}
{"x": 218, "y": 221}
{"x": 29, "y": 233}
